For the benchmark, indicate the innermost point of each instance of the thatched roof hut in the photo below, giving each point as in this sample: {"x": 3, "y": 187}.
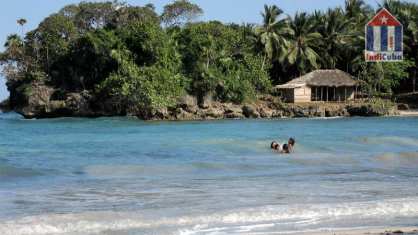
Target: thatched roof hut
{"x": 330, "y": 78}
{"x": 320, "y": 85}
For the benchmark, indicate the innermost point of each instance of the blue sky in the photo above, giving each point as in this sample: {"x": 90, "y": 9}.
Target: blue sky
{"x": 236, "y": 11}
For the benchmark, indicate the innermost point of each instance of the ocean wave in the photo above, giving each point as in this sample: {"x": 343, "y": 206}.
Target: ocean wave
{"x": 7, "y": 171}
{"x": 230, "y": 222}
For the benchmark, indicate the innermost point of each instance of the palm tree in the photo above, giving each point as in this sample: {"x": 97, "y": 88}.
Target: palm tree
{"x": 334, "y": 28}
{"x": 358, "y": 13}
{"x": 302, "y": 52}
{"x": 357, "y": 9}
{"x": 407, "y": 14}
{"x": 22, "y": 23}
{"x": 273, "y": 34}
{"x": 12, "y": 58}
{"x": 14, "y": 47}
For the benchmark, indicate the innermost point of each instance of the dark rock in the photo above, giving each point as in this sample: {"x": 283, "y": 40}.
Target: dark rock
{"x": 206, "y": 101}
{"x": 36, "y": 100}
{"x": 403, "y": 107}
{"x": 5, "y": 106}
{"x": 79, "y": 104}
{"x": 369, "y": 109}
{"x": 250, "y": 111}
{"x": 162, "y": 114}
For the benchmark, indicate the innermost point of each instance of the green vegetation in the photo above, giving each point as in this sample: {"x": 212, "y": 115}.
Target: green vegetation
{"x": 142, "y": 61}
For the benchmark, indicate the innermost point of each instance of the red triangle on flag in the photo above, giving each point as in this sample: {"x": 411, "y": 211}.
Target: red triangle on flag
{"x": 384, "y": 18}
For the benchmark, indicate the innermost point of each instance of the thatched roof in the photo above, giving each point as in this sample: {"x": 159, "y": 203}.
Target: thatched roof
{"x": 329, "y": 78}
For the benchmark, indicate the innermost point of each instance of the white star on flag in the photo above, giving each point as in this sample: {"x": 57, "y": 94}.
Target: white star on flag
{"x": 384, "y": 20}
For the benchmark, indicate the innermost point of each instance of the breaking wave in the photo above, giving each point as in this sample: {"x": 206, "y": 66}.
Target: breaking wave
{"x": 301, "y": 217}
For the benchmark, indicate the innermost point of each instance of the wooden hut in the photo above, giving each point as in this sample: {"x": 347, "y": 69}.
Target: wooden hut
{"x": 319, "y": 85}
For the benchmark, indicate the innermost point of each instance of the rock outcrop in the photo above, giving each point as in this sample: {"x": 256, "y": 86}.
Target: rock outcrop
{"x": 41, "y": 101}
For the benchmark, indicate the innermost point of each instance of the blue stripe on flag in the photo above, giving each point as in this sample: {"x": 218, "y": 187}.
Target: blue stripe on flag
{"x": 384, "y": 38}
{"x": 398, "y": 38}
{"x": 370, "y": 38}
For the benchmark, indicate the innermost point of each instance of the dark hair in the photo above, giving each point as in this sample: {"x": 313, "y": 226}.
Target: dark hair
{"x": 273, "y": 144}
{"x": 292, "y": 141}
{"x": 286, "y": 148}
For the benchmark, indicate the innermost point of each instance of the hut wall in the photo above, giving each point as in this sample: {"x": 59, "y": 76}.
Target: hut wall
{"x": 302, "y": 94}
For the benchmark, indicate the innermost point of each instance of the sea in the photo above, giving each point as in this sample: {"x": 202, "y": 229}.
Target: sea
{"x": 124, "y": 176}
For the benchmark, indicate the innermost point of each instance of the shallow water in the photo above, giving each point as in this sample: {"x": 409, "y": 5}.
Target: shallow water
{"x": 123, "y": 176}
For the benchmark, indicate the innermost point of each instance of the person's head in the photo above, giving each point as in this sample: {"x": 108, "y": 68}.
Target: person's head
{"x": 274, "y": 145}
{"x": 291, "y": 141}
{"x": 285, "y": 148}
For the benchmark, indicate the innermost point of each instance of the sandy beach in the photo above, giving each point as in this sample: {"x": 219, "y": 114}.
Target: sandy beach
{"x": 367, "y": 231}
{"x": 411, "y": 112}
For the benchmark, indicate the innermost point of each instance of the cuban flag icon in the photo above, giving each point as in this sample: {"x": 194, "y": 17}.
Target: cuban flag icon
{"x": 384, "y": 38}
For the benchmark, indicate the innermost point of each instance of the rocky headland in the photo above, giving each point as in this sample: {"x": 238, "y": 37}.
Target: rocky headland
{"x": 42, "y": 101}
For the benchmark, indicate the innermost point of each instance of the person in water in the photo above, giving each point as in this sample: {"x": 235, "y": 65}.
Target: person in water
{"x": 285, "y": 148}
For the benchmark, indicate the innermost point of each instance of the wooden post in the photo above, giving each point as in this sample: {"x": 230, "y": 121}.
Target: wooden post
{"x": 335, "y": 93}
{"x": 339, "y": 96}
{"x": 327, "y": 94}
{"x": 345, "y": 94}
{"x": 322, "y": 94}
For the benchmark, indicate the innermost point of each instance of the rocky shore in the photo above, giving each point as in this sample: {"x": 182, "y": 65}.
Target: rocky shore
{"x": 41, "y": 101}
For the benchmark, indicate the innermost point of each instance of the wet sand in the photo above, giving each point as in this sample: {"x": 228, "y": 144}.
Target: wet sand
{"x": 365, "y": 231}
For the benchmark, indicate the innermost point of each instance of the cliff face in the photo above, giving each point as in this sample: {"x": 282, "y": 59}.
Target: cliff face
{"x": 41, "y": 101}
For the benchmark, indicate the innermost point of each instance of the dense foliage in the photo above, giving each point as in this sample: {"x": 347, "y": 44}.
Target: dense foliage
{"x": 124, "y": 53}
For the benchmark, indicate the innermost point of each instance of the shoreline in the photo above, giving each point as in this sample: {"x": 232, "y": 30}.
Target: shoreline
{"x": 408, "y": 113}
{"x": 364, "y": 231}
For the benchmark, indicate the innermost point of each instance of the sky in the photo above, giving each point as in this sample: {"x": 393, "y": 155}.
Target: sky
{"x": 236, "y": 11}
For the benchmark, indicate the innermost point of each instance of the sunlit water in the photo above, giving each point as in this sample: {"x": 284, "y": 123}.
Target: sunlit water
{"x": 124, "y": 176}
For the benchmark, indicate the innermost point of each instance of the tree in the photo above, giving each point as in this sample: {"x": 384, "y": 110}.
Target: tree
{"x": 12, "y": 59}
{"x": 273, "y": 34}
{"x": 334, "y": 28}
{"x": 54, "y": 37}
{"x": 407, "y": 14}
{"x": 22, "y": 23}
{"x": 88, "y": 61}
{"x": 303, "y": 50}
{"x": 180, "y": 12}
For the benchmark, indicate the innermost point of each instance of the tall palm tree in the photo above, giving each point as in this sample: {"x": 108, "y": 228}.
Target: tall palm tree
{"x": 358, "y": 13}
{"x": 22, "y": 23}
{"x": 303, "y": 50}
{"x": 334, "y": 28}
{"x": 273, "y": 34}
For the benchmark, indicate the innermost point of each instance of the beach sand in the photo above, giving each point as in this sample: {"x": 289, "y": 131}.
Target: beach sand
{"x": 373, "y": 231}
{"x": 411, "y": 112}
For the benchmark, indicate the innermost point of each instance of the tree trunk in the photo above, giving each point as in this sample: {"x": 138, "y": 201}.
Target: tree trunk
{"x": 414, "y": 80}
{"x": 264, "y": 62}
{"x": 47, "y": 59}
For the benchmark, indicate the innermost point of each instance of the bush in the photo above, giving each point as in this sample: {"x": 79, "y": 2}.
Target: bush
{"x": 141, "y": 90}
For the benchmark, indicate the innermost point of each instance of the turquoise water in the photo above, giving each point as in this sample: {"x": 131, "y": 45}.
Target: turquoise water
{"x": 123, "y": 176}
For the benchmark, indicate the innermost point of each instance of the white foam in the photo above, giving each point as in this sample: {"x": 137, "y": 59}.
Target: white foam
{"x": 241, "y": 221}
